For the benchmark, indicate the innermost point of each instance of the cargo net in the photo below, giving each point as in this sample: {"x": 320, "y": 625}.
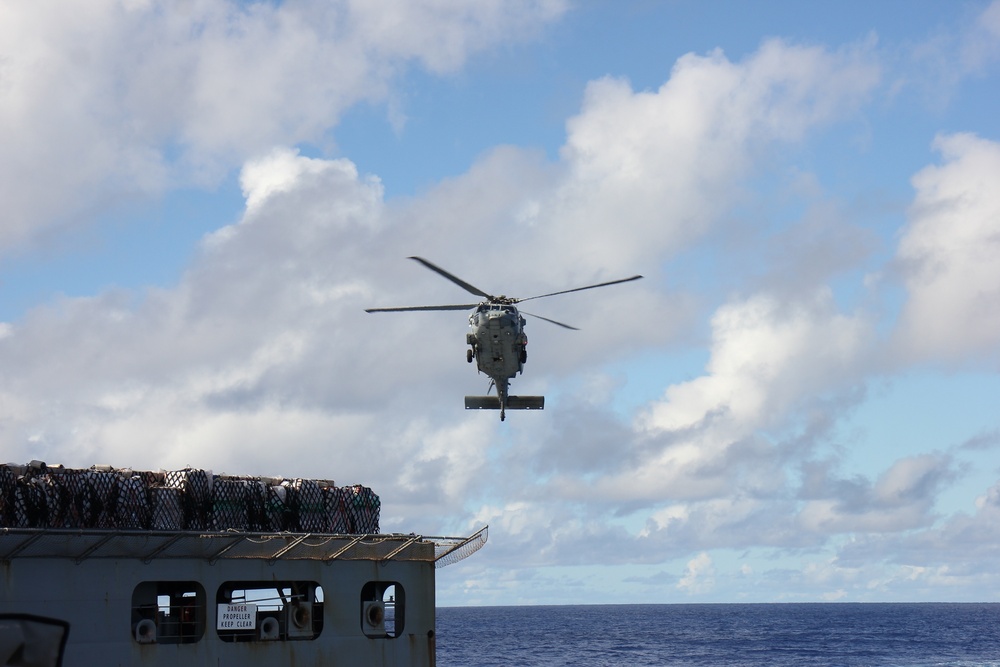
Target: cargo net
{"x": 101, "y": 497}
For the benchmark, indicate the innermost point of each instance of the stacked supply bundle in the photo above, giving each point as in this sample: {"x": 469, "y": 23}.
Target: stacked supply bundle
{"x": 277, "y": 507}
{"x": 229, "y": 505}
{"x": 8, "y": 484}
{"x": 333, "y": 504}
{"x": 310, "y": 511}
{"x": 196, "y": 495}
{"x": 103, "y": 483}
{"x": 167, "y": 504}
{"x": 42, "y": 496}
{"x": 362, "y": 507}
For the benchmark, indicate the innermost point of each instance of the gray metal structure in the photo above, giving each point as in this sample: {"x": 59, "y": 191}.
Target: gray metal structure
{"x": 144, "y": 597}
{"x": 496, "y": 339}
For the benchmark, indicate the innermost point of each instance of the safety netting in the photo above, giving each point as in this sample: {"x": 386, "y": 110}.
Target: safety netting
{"x": 37, "y": 495}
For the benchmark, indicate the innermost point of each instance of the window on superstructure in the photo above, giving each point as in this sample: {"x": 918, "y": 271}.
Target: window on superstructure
{"x": 168, "y": 612}
{"x": 383, "y": 609}
{"x": 265, "y": 611}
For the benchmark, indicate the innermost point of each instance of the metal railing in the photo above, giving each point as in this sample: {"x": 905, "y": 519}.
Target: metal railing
{"x": 146, "y": 545}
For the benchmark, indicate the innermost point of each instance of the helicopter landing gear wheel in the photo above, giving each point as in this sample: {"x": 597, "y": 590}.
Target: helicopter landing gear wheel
{"x": 468, "y": 355}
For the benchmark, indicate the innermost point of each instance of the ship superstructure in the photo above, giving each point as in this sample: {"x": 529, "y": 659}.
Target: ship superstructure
{"x": 187, "y": 567}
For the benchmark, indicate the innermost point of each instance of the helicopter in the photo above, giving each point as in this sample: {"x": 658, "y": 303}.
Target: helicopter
{"x": 496, "y": 340}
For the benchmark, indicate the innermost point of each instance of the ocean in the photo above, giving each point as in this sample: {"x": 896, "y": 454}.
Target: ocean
{"x": 740, "y": 635}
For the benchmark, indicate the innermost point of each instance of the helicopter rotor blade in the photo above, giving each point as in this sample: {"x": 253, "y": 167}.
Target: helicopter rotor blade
{"x": 472, "y": 289}
{"x": 467, "y": 306}
{"x": 558, "y": 324}
{"x": 580, "y": 289}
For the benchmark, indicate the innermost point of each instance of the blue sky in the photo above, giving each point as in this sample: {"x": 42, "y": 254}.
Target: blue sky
{"x": 799, "y": 402}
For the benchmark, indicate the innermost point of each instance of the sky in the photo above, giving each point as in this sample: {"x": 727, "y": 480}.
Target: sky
{"x": 799, "y": 401}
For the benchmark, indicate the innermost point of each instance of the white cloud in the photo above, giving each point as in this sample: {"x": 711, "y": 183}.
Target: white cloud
{"x": 650, "y": 171}
{"x": 699, "y": 577}
{"x": 948, "y": 253}
{"x": 111, "y": 100}
{"x": 980, "y": 45}
{"x": 765, "y": 356}
{"x": 443, "y": 33}
{"x": 768, "y": 360}
{"x": 951, "y": 55}
{"x": 280, "y": 171}
{"x": 957, "y": 554}
{"x": 902, "y": 498}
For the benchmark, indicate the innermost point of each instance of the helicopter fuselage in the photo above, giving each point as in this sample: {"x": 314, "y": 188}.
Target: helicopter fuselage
{"x": 497, "y": 342}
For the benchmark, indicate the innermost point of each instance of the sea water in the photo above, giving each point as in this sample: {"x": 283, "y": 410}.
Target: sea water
{"x": 776, "y": 635}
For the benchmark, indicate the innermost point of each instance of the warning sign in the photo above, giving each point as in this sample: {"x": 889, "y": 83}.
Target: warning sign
{"x": 236, "y": 617}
